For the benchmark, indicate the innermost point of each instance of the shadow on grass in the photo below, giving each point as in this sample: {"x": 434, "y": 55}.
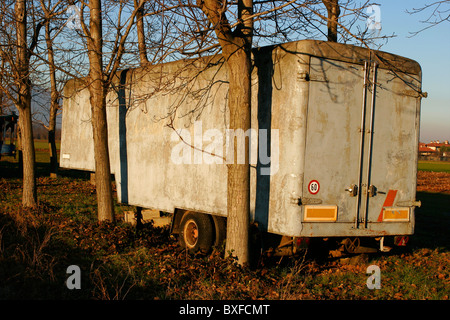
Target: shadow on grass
{"x": 432, "y": 221}
{"x": 35, "y": 250}
{"x": 37, "y": 247}
{"x": 9, "y": 169}
{"x": 33, "y": 262}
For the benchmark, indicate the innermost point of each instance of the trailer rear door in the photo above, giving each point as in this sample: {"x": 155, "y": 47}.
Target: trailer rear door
{"x": 361, "y": 150}
{"x": 391, "y": 153}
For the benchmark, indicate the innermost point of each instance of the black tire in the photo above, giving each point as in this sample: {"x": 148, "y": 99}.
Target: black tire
{"x": 196, "y": 232}
{"x": 220, "y": 228}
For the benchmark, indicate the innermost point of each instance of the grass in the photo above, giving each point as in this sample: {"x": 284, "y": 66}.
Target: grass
{"x": 435, "y": 166}
{"x": 119, "y": 262}
{"x": 42, "y": 145}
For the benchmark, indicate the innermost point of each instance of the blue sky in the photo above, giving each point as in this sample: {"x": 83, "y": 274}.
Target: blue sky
{"x": 431, "y": 49}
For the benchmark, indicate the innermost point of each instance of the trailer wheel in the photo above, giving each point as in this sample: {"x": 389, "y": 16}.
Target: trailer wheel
{"x": 196, "y": 232}
{"x": 220, "y": 228}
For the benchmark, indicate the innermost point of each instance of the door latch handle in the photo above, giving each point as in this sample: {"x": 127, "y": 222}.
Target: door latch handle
{"x": 353, "y": 190}
{"x": 372, "y": 191}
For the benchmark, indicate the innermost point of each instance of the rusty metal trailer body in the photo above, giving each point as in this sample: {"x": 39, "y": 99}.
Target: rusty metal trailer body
{"x": 336, "y": 128}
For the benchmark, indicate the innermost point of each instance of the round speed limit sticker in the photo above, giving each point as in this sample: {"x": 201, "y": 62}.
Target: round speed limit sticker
{"x": 313, "y": 186}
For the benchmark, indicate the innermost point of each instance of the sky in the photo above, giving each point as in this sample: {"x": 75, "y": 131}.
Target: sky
{"x": 431, "y": 49}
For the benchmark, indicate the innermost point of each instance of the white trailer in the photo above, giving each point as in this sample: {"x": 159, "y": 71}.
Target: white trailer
{"x": 335, "y": 132}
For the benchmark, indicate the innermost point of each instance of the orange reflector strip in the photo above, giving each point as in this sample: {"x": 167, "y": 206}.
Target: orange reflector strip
{"x": 388, "y": 202}
{"x": 320, "y": 213}
{"x": 395, "y": 214}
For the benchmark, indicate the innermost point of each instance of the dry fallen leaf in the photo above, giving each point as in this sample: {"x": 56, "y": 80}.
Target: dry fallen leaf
{"x": 433, "y": 181}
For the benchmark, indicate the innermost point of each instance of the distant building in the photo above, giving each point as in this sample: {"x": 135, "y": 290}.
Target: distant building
{"x": 435, "y": 149}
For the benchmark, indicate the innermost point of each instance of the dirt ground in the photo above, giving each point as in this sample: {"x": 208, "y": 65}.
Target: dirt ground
{"x": 433, "y": 181}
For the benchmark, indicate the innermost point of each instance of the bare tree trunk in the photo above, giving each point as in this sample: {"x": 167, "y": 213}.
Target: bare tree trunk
{"x": 236, "y": 49}
{"x": 238, "y": 181}
{"x": 141, "y": 32}
{"x": 102, "y": 164}
{"x": 29, "y": 196}
{"x": 23, "y": 103}
{"x": 53, "y": 152}
{"x": 54, "y": 105}
{"x": 1, "y": 92}
{"x": 333, "y": 14}
{"x": 99, "y": 124}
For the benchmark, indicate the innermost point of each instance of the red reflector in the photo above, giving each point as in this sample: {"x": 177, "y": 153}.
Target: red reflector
{"x": 302, "y": 242}
{"x": 401, "y": 241}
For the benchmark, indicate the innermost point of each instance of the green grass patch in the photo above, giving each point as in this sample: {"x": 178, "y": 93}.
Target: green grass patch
{"x": 43, "y": 145}
{"x": 436, "y": 166}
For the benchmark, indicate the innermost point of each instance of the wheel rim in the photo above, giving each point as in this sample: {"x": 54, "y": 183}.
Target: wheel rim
{"x": 191, "y": 233}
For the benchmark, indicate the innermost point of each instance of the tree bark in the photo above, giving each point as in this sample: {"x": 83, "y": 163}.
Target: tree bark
{"x": 54, "y": 105}
{"x": 236, "y": 49}
{"x": 141, "y": 32}
{"x": 98, "y": 90}
{"x": 23, "y": 104}
{"x": 238, "y": 179}
{"x": 29, "y": 195}
{"x": 333, "y": 14}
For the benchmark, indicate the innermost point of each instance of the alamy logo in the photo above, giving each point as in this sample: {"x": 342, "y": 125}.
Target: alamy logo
{"x": 74, "y": 20}
{"x": 74, "y": 280}
{"x": 213, "y": 147}
{"x": 374, "y": 20}
{"x": 374, "y": 280}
